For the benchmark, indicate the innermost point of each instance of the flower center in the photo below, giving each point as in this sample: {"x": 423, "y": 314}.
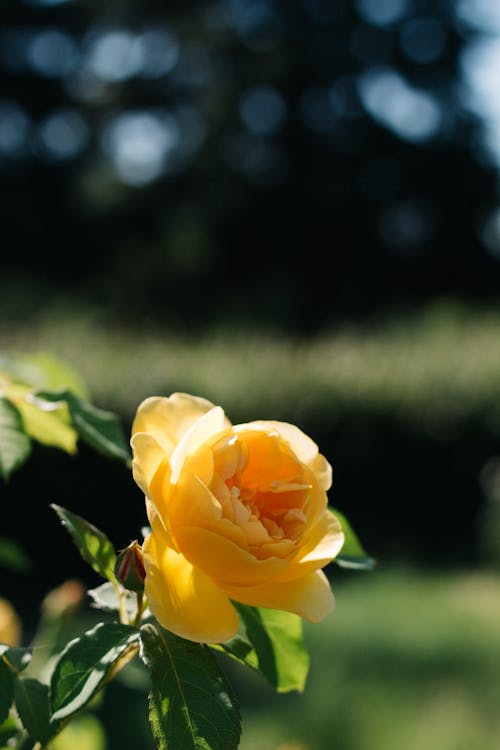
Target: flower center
{"x": 262, "y": 489}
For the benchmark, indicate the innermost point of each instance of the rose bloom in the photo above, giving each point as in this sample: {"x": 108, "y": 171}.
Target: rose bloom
{"x": 237, "y": 512}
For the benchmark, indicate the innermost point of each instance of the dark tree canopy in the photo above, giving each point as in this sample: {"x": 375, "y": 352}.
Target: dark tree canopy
{"x": 283, "y": 164}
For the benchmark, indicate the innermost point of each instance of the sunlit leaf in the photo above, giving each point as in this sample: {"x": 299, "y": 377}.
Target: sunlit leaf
{"x": 46, "y": 422}
{"x": 105, "y": 597}
{"x": 15, "y": 445}
{"x": 352, "y": 555}
{"x": 277, "y": 639}
{"x": 43, "y": 370}
{"x": 191, "y": 705}
{"x": 101, "y": 429}
{"x": 94, "y": 546}
{"x": 32, "y": 703}
{"x": 85, "y": 663}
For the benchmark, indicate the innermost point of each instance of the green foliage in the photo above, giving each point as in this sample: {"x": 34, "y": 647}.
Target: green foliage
{"x": 275, "y": 646}
{"x": 109, "y": 598}
{"x": 6, "y": 690}
{"x": 85, "y": 664}
{"x": 94, "y": 546}
{"x": 32, "y": 703}
{"x": 43, "y": 399}
{"x": 42, "y": 370}
{"x": 352, "y": 555}
{"x": 191, "y": 704}
{"x": 99, "y": 428}
{"x": 17, "y": 658}
{"x": 15, "y": 445}
{"x": 12, "y": 661}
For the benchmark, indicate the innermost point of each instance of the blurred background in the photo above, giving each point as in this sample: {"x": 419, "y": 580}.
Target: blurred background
{"x": 292, "y": 209}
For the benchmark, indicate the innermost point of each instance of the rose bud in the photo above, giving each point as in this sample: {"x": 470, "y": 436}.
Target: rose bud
{"x": 129, "y": 568}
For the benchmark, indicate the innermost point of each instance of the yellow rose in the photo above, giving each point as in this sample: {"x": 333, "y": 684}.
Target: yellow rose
{"x": 237, "y": 513}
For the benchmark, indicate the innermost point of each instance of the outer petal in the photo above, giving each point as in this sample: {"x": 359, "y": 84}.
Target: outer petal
{"x": 147, "y": 457}
{"x": 183, "y": 599}
{"x": 208, "y": 425}
{"x": 225, "y": 561}
{"x": 168, "y": 419}
{"x": 310, "y": 597}
{"x": 324, "y": 542}
{"x": 302, "y": 445}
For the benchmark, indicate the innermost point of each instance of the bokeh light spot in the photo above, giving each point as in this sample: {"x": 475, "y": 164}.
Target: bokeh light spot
{"x": 263, "y": 110}
{"x": 413, "y": 114}
{"x": 114, "y": 55}
{"x": 62, "y": 135}
{"x": 14, "y": 129}
{"x": 139, "y": 143}
{"x": 423, "y": 40}
{"x": 53, "y": 53}
{"x": 382, "y": 12}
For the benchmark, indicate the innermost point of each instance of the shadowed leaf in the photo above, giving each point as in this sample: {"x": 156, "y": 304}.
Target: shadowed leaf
{"x": 93, "y": 544}
{"x": 191, "y": 705}
{"x": 15, "y": 444}
{"x": 32, "y": 703}
{"x": 352, "y": 555}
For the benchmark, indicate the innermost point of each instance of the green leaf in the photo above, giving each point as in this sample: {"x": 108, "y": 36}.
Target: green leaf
{"x": 43, "y": 370}
{"x": 17, "y": 657}
{"x": 49, "y": 426}
{"x": 352, "y": 555}
{"x": 85, "y": 663}
{"x": 239, "y": 648}
{"x": 32, "y": 703}
{"x": 15, "y": 445}
{"x": 101, "y": 429}
{"x": 279, "y": 647}
{"x": 94, "y": 546}
{"x": 105, "y": 597}
{"x": 191, "y": 705}
{"x": 6, "y": 690}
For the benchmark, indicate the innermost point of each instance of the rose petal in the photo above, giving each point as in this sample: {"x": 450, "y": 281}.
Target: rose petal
{"x": 209, "y": 424}
{"x": 322, "y": 544}
{"x": 147, "y": 457}
{"x": 302, "y": 445}
{"x": 310, "y": 597}
{"x": 223, "y": 560}
{"x": 183, "y": 599}
{"x": 168, "y": 419}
